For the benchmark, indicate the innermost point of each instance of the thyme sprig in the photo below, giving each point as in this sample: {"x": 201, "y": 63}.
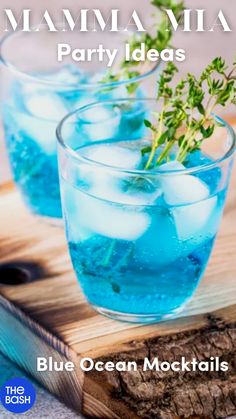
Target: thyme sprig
{"x": 186, "y": 117}
{"x": 159, "y": 41}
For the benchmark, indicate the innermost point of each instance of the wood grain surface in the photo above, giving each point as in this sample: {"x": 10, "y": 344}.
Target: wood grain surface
{"x": 50, "y": 317}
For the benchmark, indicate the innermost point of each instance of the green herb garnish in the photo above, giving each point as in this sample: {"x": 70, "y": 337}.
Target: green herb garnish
{"x": 159, "y": 41}
{"x": 186, "y": 117}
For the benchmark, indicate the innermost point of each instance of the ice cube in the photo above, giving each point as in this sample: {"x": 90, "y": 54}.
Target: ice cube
{"x": 106, "y": 184}
{"x": 75, "y": 231}
{"x": 114, "y": 155}
{"x": 41, "y": 132}
{"x": 192, "y": 221}
{"x": 97, "y": 77}
{"x": 187, "y": 221}
{"x": 117, "y": 221}
{"x": 64, "y": 76}
{"x": 105, "y": 218}
{"x": 159, "y": 246}
{"x": 81, "y": 101}
{"x": 112, "y": 191}
{"x": 119, "y": 92}
{"x": 68, "y": 74}
{"x": 99, "y": 123}
{"x": 98, "y": 114}
{"x": 110, "y": 209}
{"x": 192, "y": 205}
{"x": 108, "y": 93}
{"x": 180, "y": 189}
{"x": 45, "y": 105}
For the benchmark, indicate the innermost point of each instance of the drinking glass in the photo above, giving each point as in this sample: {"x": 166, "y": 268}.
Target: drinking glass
{"x": 38, "y": 91}
{"x": 139, "y": 240}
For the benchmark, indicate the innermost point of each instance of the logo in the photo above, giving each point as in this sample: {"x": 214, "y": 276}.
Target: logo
{"x": 18, "y": 395}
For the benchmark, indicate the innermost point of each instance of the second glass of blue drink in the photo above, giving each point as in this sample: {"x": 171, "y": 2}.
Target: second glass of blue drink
{"x": 38, "y": 91}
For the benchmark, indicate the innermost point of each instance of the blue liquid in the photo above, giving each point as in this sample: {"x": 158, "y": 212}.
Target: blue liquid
{"x": 155, "y": 263}
{"x": 31, "y": 139}
{"x": 129, "y": 285}
{"x": 35, "y": 173}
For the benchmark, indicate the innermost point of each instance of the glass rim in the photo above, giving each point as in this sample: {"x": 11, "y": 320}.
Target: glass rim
{"x": 76, "y": 86}
{"x": 79, "y": 158}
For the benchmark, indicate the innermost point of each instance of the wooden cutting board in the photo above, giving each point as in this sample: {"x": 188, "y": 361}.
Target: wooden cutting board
{"x": 48, "y": 316}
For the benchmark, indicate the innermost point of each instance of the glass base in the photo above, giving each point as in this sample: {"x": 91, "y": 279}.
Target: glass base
{"x": 137, "y": 318}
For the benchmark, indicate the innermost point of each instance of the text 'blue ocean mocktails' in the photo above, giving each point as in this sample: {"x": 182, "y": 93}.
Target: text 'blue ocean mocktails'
{"x": 139, "y": 240}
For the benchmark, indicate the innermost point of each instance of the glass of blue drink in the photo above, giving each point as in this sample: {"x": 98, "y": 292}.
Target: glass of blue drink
{"x": 139, "y": 240}
{"x": 38, "y": 92}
